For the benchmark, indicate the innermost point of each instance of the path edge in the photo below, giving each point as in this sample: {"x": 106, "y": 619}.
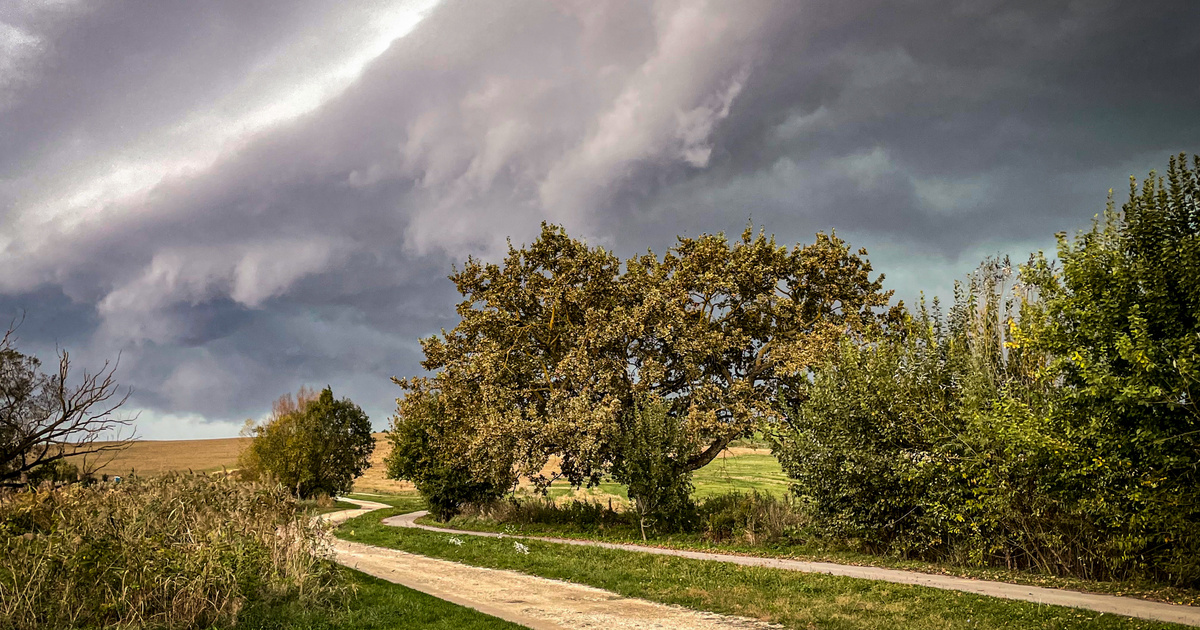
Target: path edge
{"x": 1107, "y": 604}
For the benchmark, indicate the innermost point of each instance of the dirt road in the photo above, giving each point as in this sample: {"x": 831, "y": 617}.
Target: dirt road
{"x": 534, "y": 602}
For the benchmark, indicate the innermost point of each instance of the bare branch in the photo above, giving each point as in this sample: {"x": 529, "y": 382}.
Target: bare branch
{"x": 44, "y": 419}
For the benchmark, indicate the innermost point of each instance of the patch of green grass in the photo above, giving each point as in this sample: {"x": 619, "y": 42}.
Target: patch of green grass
{"x": 312, "y": 507}
{"x": 796, "y": 600}
{"x": 741, "y": 473}
{"x": 376, "y": 605}
{"x": 818, "y": 551}
{"x": 409, "y": 502}
{"x": 725, "y": 474}
{"x": 762, "y": 472}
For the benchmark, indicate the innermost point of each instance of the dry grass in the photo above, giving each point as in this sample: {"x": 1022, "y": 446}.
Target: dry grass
{"x": 375, "y": 478}
{"x": 151, "y": 458}
{"x": 178, "y": 551}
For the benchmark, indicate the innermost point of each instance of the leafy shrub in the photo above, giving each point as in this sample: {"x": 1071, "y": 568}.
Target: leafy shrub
{"x": 1123, "y": 328}
{"x": 57, "y": 471}
{"x": 939, "y": 441}
{"x": 423, "y": 454}
{"x": 1050, "y": 422}
{"x": 577, "y": 513}
{"x": 748, "y": 518}
{"x": 857, "y": 446}
{"x": 178, "y": 551}
{"x": 653, "y": 445}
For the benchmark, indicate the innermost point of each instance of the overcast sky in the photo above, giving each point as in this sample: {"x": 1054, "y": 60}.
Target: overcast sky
{"x": 242, "y": 197}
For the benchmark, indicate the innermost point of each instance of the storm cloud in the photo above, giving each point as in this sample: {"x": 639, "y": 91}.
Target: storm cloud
{"x": 239, "y": 198}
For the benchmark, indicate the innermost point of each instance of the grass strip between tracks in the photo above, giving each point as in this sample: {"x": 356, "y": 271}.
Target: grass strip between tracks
{"x": 796, "y": 600}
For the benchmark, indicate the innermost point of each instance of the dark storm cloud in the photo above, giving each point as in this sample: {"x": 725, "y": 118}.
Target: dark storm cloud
{"x": 165, "y": 197}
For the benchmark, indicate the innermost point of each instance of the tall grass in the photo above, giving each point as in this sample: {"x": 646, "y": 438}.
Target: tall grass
{"x": 751, "y": 518}
{"x": 179, "y": 551}
{"x": 746, "y": 518}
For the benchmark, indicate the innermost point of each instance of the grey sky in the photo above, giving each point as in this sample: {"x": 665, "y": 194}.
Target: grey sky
{"x": 241, "y": 197}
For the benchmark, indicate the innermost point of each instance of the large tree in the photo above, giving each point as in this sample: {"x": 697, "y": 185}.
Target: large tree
{"x": 559, "y": 344}
{"x": 45, "y": 419}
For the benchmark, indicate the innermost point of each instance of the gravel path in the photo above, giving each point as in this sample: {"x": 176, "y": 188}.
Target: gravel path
{"x": 535, "y": 602}
{"x": 1189, "y": 615}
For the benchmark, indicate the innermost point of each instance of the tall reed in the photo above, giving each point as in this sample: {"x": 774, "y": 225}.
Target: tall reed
{"x": 179, "y": 551}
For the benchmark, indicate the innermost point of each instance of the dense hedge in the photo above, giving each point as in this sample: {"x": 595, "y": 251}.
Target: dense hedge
{"x": 1049, "y": 421}
{"x": 425, "y": 452}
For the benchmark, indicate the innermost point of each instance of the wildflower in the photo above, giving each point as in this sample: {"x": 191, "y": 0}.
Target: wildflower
{"x": 457, "y": 542}
{"x": 521, "y": 549}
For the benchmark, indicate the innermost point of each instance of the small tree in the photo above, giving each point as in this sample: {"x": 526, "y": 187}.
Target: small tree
{"x": 315, "y": 444}
{"x": 654, "y": 446}
{"x": 44, "y": 420}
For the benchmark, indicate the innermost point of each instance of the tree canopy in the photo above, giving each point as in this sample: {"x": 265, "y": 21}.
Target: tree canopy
{"x": 558, "y": 343}
{"x": 313, "y": 444}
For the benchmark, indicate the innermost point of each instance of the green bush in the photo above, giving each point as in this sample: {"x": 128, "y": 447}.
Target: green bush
{"x": 423, "y": 454}
{"x": 943, "y": 440}
{"x": 859, "y": 448}
{"x": 57, "y": 471}
{"x": 1123, "y": 328}
{"x": 653, "y": 444}
{"x": 1049, "y": 422}
{"x": 752, "y": 518}
{"x": 178, "y": 551}
{"x": 537, "y": 510}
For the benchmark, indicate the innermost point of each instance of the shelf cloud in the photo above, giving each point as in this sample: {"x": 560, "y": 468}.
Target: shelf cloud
{"x": 238, "y": 198}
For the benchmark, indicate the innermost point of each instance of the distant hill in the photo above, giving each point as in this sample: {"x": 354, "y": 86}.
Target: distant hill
{"x": 155, "y": 457}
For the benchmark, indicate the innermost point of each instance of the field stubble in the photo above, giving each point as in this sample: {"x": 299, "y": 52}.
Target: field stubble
{"x": 152, "y": 458}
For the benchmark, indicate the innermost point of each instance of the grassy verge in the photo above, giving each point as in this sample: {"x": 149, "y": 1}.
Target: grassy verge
{"x": 405, "y": 502}
{"x": 815, "y": 551}
{"x": 310, "y": 506}
{"x": 376, "y": 605}
{"x": 796, "y": 600}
